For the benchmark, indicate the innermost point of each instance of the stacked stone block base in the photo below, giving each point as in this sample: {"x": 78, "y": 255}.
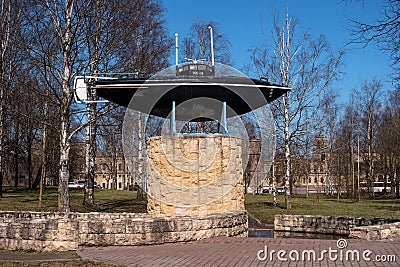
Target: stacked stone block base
{"x": 47, "y": 231}
{"x": 195, "y": 191}
{"x": 389, "y": 231}
{"x": 194, "y": 175}
{"x": 336, "y": 225}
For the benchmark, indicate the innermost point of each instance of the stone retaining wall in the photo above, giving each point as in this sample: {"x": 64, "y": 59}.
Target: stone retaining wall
{"x": 387, "y": 231}
{"x": 323, "y": 224}
{"x": 49, "y": 231}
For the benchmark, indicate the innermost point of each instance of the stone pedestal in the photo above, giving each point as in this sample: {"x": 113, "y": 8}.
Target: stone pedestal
{"x": 194, "y": 175}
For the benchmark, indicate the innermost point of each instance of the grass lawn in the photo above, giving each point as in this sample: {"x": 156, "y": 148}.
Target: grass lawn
{"x": 106, "y": 200}
{"x": 261, "y": 207}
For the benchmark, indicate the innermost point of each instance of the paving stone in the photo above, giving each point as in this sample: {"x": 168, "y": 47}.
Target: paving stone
{"x": 236, "y": 251}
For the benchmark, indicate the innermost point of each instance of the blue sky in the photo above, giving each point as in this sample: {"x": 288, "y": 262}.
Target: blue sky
{"x": 241, "y": 22}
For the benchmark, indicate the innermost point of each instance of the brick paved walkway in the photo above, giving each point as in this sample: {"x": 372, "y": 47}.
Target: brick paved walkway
{"x": 243, "y": 252}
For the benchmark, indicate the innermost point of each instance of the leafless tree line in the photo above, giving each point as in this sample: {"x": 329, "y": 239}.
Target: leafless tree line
{"x": 44, "y": 44}
{"x": 309, "y": 66}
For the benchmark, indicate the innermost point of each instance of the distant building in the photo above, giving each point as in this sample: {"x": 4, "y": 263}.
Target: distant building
{"x": 111, "y": 173}
{"x": 319, "y": 163}
{"x": 114, "y": 172}
{"x": 313, "y": 169}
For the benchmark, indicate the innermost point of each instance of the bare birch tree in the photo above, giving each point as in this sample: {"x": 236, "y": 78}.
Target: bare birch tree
{"x": 134, "y": 41}
{"x": 330, "y": 115}
{"x": 5, "y": 27}
{"x": 57, "y": 49}
{"x": 67, "y": 37}
{"x": 306, "y": 65}
{"x": 369, "y": 107}
{"x": 344, "y": 144}
{"x": 394, "y": 113}
{"x": 387, "y": 146}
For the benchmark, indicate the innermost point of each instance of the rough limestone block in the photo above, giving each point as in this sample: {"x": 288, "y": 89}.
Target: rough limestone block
{"x": 188, "y": 173}
{"x": 221, "y": 232}
{"x": 117, "y": 227}
{"x": 170, "y": 237}
{"x": 385, "y": 233}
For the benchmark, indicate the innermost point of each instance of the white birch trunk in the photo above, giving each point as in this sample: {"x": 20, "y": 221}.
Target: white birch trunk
{"x": 63, "y": 193}
{"x": 5, "y": 22}
{"x": 90, "y": 151}
{"x": 273, "y": 185}
{"x": 44, "y": 159}
{"x": 1, "y": 134}
{"x": 370, "y": 159}
{"x": 141, "y": 174}
{"x": 287, "y": 155}
{"x": 1, "y": 130}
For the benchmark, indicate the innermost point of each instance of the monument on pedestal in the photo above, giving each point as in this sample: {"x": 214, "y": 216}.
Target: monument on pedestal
{"x": 189, "y": 128}
{"x": 195, "y": 159}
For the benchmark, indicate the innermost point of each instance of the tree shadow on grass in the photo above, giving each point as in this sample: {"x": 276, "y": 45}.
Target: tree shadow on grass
{"x": 126, "y": 205}
{"x": 388, "y": 208}
{"x": 266, "y": 204}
